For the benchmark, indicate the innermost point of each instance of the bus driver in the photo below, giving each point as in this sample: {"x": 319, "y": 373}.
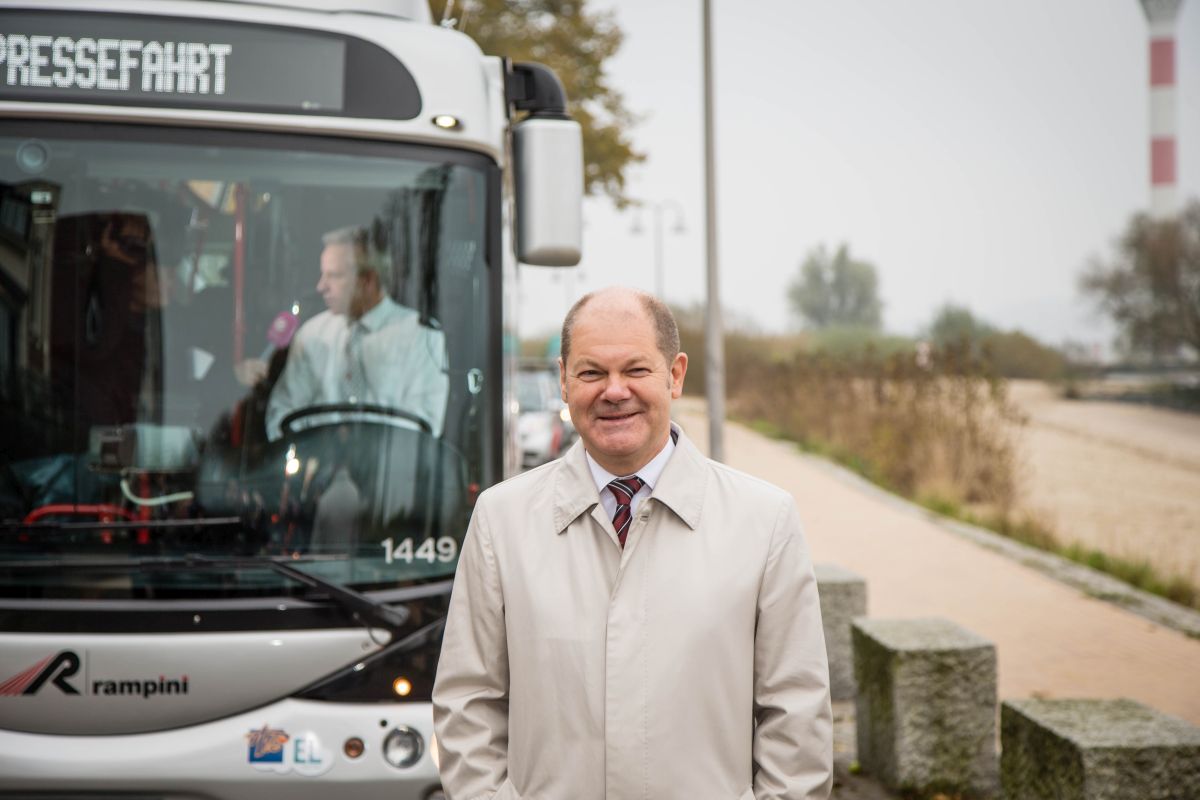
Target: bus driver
{"x": 364, "y": 348}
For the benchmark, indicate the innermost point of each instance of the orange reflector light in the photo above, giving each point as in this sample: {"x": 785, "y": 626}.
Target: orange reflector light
{"x": 402, "y": 687}
{"x": 353, "y": 748}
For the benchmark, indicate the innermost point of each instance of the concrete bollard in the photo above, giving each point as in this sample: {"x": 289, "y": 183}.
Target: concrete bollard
{"x": 1096, "y": 750}
{"x": 843, "y": 597}
{"x": 926, "y": 706}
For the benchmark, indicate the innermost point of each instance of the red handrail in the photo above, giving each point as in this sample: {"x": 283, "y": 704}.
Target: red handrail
{"x": 102, "y": 511}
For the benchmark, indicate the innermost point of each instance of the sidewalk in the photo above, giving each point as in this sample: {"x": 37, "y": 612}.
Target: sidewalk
{"x": 1052, "y": 640}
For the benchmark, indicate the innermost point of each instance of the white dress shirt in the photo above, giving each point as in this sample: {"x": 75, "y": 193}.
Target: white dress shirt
{"x": 649, "y": 475}
{"x": 403, "y": 366}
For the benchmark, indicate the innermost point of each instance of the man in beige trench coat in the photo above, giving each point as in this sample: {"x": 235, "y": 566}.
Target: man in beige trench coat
{"x": 674, "y": 655}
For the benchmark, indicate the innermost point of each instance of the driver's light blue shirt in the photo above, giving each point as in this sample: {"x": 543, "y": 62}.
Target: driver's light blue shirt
{"x": 403, "y": 366}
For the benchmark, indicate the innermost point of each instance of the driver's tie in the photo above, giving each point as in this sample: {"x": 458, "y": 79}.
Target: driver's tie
{"x": 356, "y": 378}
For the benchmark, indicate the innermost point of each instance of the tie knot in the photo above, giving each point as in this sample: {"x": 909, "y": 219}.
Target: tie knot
{"x": 625, "y": 488}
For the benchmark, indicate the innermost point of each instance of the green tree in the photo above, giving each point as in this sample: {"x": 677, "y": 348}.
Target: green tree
{"x": 1013, "y": 354}
{"x": 1151, "y": 285}
{"x": 836, "y": 290}
{"x": 575, "y": 42}
{"x": 953, "y": 324}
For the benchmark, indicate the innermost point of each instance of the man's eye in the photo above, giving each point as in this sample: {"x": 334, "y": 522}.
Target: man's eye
{"x": 638, "y": 372}
{"x": 589, "y": 374}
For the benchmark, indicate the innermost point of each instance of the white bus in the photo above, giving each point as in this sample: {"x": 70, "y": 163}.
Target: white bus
{"x": 253, "y": 266}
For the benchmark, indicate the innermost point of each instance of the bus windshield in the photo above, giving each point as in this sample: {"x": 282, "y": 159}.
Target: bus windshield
{"x": 226, "y": 346}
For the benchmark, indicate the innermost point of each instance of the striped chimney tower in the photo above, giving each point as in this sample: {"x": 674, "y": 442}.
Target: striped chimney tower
{"x": 1164, "y": 149}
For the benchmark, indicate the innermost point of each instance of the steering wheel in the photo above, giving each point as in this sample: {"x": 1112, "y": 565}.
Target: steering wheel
{"x": 285, "y": 425}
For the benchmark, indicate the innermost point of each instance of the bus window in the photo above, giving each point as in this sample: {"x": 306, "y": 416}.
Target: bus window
{"x": 223, "y": 327}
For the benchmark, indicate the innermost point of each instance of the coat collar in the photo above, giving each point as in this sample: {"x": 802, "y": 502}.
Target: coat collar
{"x": 680, "y": 487}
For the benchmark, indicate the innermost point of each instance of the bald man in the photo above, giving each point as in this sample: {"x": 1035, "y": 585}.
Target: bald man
{"x": 633, "y": 620}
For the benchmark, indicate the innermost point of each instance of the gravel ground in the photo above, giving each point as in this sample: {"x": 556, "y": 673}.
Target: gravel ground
{"x": 1117, "y": 477}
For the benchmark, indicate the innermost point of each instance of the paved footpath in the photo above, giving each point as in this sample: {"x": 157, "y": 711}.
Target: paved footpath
{"x": 1052, "y": 640}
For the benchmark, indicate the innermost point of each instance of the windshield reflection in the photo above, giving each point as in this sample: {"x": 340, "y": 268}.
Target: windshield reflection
{"x": 200, "y": 330}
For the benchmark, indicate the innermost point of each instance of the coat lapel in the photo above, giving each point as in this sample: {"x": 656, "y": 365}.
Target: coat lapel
{"x": 683, "y": 482}
{"x": 574, "y": 490}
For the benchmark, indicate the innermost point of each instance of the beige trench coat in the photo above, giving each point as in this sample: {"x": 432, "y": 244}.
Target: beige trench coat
{"x": 689, "y": 666}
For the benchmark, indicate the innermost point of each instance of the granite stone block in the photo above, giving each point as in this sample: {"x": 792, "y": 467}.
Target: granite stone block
{"x": 926, "y": 706}
{"x": 843, "y": 597}
{"x": 1096, "y": 750}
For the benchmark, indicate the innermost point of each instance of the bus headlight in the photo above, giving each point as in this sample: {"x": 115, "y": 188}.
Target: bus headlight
{"x": 403, "y": 747}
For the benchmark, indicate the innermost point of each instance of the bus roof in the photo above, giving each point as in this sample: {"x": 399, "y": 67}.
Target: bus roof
{"x": 413, "y": 10}
{"x": 453, "y": 77}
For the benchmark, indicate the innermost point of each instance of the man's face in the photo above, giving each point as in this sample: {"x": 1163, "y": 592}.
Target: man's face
{"x": 618, "y": 385}
{"x": 338, "y": 278}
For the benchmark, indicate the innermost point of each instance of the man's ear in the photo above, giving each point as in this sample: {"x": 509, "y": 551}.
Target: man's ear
{"x": 562, "y": 379}
{"x": 678, "y": 371}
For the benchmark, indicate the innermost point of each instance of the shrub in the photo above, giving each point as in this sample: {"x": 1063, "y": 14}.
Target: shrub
{"x": 930, "y": 429}
{"x": 935, "y": 429}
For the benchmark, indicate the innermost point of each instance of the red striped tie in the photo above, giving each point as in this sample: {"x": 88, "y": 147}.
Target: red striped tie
{"x": 624, "y": 489}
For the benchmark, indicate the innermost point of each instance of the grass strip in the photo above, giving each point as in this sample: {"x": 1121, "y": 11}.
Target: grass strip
{"x": 1137, "y": 573}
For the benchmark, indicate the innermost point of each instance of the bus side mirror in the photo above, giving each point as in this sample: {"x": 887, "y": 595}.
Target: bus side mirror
{"x": 548, "y": 155}
{"x": 548, "y": 164}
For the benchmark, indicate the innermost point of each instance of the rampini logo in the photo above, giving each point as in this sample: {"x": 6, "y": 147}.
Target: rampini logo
{"x": 146, "y": 688}
{"x": 56, "y": 669}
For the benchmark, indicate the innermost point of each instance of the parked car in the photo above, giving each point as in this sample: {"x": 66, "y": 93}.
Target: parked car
{"x": 544, "y": 425}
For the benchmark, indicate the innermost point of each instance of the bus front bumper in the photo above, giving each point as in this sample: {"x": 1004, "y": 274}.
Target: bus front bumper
{"x": 294, "y": 749}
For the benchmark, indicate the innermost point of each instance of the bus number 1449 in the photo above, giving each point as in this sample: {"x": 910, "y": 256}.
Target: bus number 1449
{"x": 443, "y": 549}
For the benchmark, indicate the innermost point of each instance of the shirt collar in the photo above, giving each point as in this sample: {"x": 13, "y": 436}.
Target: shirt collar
{"x": 649, "y": 473}
{"x": 374, "y": 319}
{"x": 680, "y": 484}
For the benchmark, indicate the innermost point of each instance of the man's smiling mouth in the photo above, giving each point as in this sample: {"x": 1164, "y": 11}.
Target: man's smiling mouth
{"x": 617, "y": 417}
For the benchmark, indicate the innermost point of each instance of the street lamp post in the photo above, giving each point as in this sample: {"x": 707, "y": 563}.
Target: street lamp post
{"x": 714, "y": 341}
{"x": 659, "y": 210}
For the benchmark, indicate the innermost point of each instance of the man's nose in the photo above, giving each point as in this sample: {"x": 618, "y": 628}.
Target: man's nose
{"x": 616, "y": 388}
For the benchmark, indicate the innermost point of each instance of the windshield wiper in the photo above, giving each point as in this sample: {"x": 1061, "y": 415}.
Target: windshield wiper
{"x": 358, "y": 604}
{"x": 362, "y": 608}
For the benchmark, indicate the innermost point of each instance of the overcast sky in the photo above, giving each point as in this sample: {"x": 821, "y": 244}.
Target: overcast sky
{"x": 975, "y": 151}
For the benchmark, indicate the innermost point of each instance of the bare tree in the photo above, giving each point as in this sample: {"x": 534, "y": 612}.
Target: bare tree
{"x": 1151, "y": 285}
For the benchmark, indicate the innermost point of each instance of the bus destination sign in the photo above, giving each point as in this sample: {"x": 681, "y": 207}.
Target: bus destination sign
{"x": 172, "y": 62}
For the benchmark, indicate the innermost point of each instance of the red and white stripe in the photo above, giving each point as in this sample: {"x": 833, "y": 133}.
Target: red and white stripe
{"x": 1164, "y": 149}
{"x": 18, "y": 683}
